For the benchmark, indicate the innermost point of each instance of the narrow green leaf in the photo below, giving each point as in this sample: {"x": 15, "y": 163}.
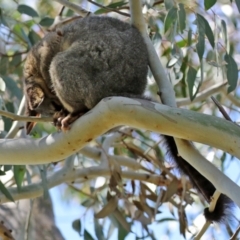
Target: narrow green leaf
{"x": 201, "y": 40}
{"x": 33, "y": 37}
{"x": 87, "y": 235}
{"x": 19, "y": 172}
{"x": 238, "y": 4}
{"x": 98, "y": 230}
{"x": 24, "y": 9}
{"x": 12, "y": 87}
{"x": 46, "y": 22}
{"x": 181, "y": 17}
{"x": 19, "y": 31}
{"x": 117, "y": 4}
{"x": 232, "y": 72}
{"x": 4, "y": 62}
{"x": 225, "y": 35}
{"x": 208, "y": 30}
{"x": 4, "y": 190}
{"x": 16, "y": 60}
{"x": 122, "y": 233}
{"x": 189, "y": 42}
{"x": 112, "y": 5}
{"x": 7, "y": 167}
{"x": 2, "y": 85}
{"x": 7, "y": 121}
{"x": 166, "y": 220}
{"x": 111, "y": 229}
{"x": 168, "y": 4}
{"x": 191, "y": 76}
{"x": 170, "y": 18}
{"x": 209, "y": 3}
{"x": 43, "y": 172}
{"x": 2, "y": 20}
{"x": 77, "y": 226}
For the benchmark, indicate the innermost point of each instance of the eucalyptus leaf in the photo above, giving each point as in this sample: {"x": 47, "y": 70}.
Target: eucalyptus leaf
{"x": 19, "y": 172}
{"x": 2, "y": 19}
{"x": 2, "y": 85}
{"x": 12, "y": 87}
{"x": 77, "y": 225}
{"x": 168, "y": 4}
{"x": 170, "y": 19}
{"x": 46, "y": 22}
{"x": 225, "y": 35}
{"x": 4, "y": 191}
{"x": 209, "y": 3}
{"x": 87, "y": 235}
{"x": 201, "y": 40}
{"x": 181, "y": 17}
{"x": 208, "y": 30}
{"x": 4, "y": 62}
{"x": 110, "y": 6}
{"x": 232, "y": 72}
{"x": 191, "y": 76}
{"x": 25, "y": 9}
{"x": 238, "y": 4}
{"x": 33, "y": 37}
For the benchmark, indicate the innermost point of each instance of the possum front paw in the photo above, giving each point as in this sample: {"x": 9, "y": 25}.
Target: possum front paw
{"x": 58, "y": 117}
{"x": 63, "y": 119}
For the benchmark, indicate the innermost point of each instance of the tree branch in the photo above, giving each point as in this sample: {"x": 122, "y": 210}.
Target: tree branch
{"x": 68, "y": 175}
{"x": 76, "y": 8}
{"x": 202, "y": 95}
{"x": 116, "y": 111}
{"x": 167, "y": 93}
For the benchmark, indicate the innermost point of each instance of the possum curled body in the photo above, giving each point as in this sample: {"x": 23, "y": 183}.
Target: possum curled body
{"x": 72, "y": 68}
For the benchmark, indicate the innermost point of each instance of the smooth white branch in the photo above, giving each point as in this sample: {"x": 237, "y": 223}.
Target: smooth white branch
{"x": 116, "y": 111}
{"x": 69, "y": 175}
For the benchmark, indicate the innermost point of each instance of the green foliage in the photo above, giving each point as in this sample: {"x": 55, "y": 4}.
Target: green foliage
{"x": 24, "y": 9}
{"x": 111, "y": 6}
{"x": 19, "y": 172}
{"x": 209, "y": 3}
{"x": 238, "y": 4}
{"x": 191, "y": 76}
{"x": 181, "y": 17}
{"x": 170, "y": 19}
{"x": 5, "y": 191}
{"x": 201, "y": 37}
{"x": 46, "y": 22}
{"x": 206, "y": 29}
{"x": 232, "y": 72}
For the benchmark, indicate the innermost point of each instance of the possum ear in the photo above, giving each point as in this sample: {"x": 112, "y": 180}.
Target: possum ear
{"x": 35, "y": 97}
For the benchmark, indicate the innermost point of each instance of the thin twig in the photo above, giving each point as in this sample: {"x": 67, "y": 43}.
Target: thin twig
{"x": 81, "y": 11}
{"x": 27, "y": 225}
{"x": 213, "y": 202}
{"x": 203, "y": 230}
{"x": 110, "y": 9}
{"x": 221, "y": 109}
{"x": 234, "y": 236}
{"x": 16, "y": 117}
{"x": 14, "y": 54}
{"x": 202, "y": 95}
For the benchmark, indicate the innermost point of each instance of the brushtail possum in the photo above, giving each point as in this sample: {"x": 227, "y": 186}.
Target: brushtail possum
{"x": 72, "y": 68}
